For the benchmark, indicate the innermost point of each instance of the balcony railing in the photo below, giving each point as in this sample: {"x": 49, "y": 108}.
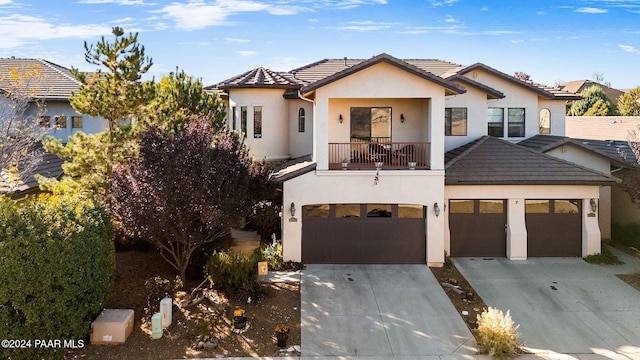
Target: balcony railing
{"x": 386, "y": 155}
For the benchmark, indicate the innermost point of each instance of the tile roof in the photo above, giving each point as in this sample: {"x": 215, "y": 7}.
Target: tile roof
{"x": 53, "y": 82}
{"x": 548, "y": 92}
{"x": 618, "y": 152}
{"x": 493, "y": 161}
{"x": 292, "y": 168}
{"x": 261, "y": 78}
{"x": 50, "y": 166}
{"x": 449, "y": 85}
{"x": 577, "y": 86}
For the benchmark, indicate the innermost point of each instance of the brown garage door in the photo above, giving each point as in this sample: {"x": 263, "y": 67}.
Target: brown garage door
{"x": 477, "y": 227}
{"x": 554, "y": 227}
{"x": 363, "y": 234}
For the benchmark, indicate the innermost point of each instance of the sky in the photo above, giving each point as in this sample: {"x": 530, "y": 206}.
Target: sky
{"x": 551, "y": 40}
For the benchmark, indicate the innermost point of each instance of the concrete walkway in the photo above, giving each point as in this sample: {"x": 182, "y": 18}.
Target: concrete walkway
{"x": 563, "y": 305}
{"x": 378, "y": 310}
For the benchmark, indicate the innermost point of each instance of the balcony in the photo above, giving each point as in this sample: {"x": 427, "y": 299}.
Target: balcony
{"x": 363, "y": 155}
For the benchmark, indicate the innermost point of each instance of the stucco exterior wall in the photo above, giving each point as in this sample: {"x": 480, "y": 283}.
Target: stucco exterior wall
{"x": 476, "y": 103}
{"x": 378, "y": 82}
{"x": 558, "y": 111}
{"x": 274, "y": 143}
{"x": 344, "y": 187}
{"x": 300, "y": 143}
{"x": 516, "y": 227}
{"x": 90, "y": 124}
{"x": 598, "y": 163}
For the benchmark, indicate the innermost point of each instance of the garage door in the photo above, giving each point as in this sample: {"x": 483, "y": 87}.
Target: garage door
{"x": 363, "y": 234}
{"x": 554, "y": 227}
{"x": 477, "y": 227}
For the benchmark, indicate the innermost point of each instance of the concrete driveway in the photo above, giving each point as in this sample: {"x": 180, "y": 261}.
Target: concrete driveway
{"x": 563, "y": 305}
{"x": 378, "y": 310}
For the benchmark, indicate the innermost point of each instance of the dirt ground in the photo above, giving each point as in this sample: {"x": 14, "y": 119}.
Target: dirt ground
{"x": 209, "y": 322}
{"x": 461, "y": 294}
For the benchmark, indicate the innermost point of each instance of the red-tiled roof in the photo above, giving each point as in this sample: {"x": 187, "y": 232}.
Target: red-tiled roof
{"x": 493, "y": 161}
{"x": 50, "y": 81}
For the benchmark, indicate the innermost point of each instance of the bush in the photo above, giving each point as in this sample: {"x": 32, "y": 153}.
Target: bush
{"x": 626, "y": 235}
{"x": 497, "y": 334}
{"x": 234, "y": 272}
{"x": 606, "y": 257}
{"x": 266, "y": 219}
{"x": 272, "y": 254}
{"x": 159, "y": 288}
{"x": 56, "y": 259}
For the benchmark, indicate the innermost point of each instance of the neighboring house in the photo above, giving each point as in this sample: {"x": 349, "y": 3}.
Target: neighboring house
{"x": 411, "y": 159}
{"x": 52, "y": 85}
{"x": 578, "y": 86}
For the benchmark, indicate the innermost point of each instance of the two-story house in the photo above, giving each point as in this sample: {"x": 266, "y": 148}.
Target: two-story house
{"x": 51, "y": 85}
{"x": 402, "y": 161}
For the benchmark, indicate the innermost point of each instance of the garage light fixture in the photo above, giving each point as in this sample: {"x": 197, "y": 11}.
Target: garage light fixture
{"x": 594, "y": 205}
{"x": 340, "y": 119}
{"x": 292, "y": 209}
{"x": 436, "y": 209}
{"x": 402, "y": 118}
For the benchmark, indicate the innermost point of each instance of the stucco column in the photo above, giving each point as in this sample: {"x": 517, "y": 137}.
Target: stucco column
{"x": 291, "y": 228}
{"x": 590, "y": 229}
{"x": 435, "y": 235}
{"x": 516, "y": 230}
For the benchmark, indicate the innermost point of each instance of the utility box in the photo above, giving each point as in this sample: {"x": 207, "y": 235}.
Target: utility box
{"x": 112, "y": 326}
{"x": 156, "y": 326}
{"x": 166, "y": 312}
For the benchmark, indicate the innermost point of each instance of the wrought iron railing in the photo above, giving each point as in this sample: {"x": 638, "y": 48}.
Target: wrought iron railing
{"x": 362, "y": 155}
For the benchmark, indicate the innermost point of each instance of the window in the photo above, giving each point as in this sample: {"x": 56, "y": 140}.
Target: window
{"x": 60, "y": 121}
{"x": 45, "y": 121}
{"x": 461, "y": 206}
{"x": 301, "y": 120}
{"x": 243, "y": 119}
{"x": 491, "y": 206}
{"x": 76, "y": 122}
{"x": 455, "y": 121}
{"x": 257, "y": 122}
{"x": 371, "y": 123}
{"x": 410, "y": 211}
{"x": 516, "y": 122}
{"x": 545, "y": 122}
{"x": 347, "y": 210}
{"x": 315, "y": 211}
{"x": 379, "y": 210}
{"x": 496, "y": 122}
{"x": 233, "y": 118}
{"x": 536, "y": 206}
{"x": 566, "y": 206}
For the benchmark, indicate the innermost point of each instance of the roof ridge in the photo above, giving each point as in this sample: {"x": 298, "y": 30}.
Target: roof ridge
{"x": 475, "y": 144}
{"x": 53, "y": 66}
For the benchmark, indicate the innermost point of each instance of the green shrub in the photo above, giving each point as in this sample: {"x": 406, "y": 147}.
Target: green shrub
{"x": 606, "y": 257}
{"x": 497, "y": 335}
{"x": 266, "y": 219}
{"x": 159, "y": 288}
{"x": 56, "y": 259}
{"x": 626, "y": 235}
{"x": 234, "y": 272}
{"x": 272, "y": 254}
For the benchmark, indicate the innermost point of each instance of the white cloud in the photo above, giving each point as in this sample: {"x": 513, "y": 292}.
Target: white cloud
{"x": 246, "y": 53}
{"x": 16, "y": 30}
{"x": 450, "y": 20}
{"x": 590, "y": 10}
{"x": 365, "y": 26}
{"x": 484, "y": 8}
{"x": 235, "y": 40}
{"x": 630, "y": 49}
{"x": 5, "y": 2}
{"x": 442, "y": 2}
{"x": 519, "y": 41}
{"x": 118, "y": 2}
{"x": 198, "y": 14}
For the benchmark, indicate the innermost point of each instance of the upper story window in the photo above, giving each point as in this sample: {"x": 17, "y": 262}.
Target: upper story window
{"x": 60, "y": 121}
{"x": 371, "y": 123}
{"x": 76, "y": 122}
{"x": 515, "y": 122}
{"x": 496, "y": 122}
{"x": 233, "y": 118}
{"x": 243, "y": 119}
{"x": 257, "y": 122}
{"x": 301, "y": 120}
{"x": 455, "y": 121}
{"x": 545, "y": 122}
{"x": 45, "y": 121}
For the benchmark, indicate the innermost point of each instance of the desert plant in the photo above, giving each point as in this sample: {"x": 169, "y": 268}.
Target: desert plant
{"x": 497, "y": 334}
{"x": 234, "y": 272}
{"x": 159, "y": 288}
{"x": 56, "y": 259}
